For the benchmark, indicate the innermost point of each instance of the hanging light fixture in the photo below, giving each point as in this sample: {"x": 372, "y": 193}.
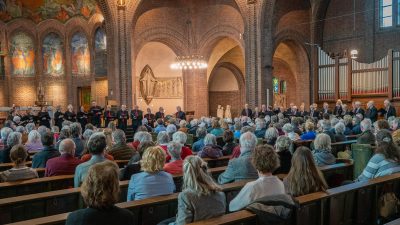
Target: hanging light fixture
{"x": 192, "y": 61}
{"x": 354, "y": 54}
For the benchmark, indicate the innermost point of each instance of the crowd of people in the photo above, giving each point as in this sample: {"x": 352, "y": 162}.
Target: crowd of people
{"x": 88, "y": 152}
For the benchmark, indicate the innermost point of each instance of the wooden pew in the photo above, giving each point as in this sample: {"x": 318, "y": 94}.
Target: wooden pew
{"x": 355, "y": 203}
{"x": 60, "y": 201}
{"x": 147, "y": 212}
{"x": 6, "y": 166}
{"x": 221, "y": 161}
{"x": 341, "y": 146}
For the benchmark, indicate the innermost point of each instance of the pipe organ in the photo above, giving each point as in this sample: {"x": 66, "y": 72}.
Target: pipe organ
{"x": 344, "y": 78}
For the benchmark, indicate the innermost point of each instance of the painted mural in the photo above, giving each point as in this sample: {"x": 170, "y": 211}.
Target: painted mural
{"x": 100, "y": 45}
{"x": 53, "y": 55}
{"x": 39, "y": 10}
{"x": 80, "y": 54}
{"x": 22, "y": 55}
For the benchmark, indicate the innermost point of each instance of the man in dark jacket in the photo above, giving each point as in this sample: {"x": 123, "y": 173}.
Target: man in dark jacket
{"x": 366, "y": 137}
{"x": 389, "y": 109}
{"x": 246, "y": 111}
{"x": 372, "y": 112}
{"x": 136, "y": 116}
{"x": 39, "y": 159}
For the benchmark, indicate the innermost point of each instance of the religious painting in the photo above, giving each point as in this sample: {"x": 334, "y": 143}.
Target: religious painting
{"x": 39, "y": 10}
{"x": 80, "y": 54}
{"x": 53, "y": 55}
{"x": 275, "y": 85}
{"x": 100, "y": 60}
{"x": 147, "y": 84}
{"x": 22, "y": 55}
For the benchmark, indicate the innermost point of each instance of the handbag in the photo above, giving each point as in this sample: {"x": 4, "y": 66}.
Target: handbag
{"x": 388, "y": 204}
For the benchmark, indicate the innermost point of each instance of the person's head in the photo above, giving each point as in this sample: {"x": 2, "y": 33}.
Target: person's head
{"x": 309, "y": 126}
{"x": 196, "y": 178}
{"x": 366, "y": 125}
{"x": 143, "y": 146}
{"x": 228, "y": 136}
{"x": 265, "y": 159}
{"x": 142, "y": 136}
{"x": 382, "y": 124}
{"x": 303, "y": 177}
{"x": 210, "y": 139}
{"x": 34, "y": 137}
{"x": 70, "y": 108}
{"x": 160, "y": 122}
{"x": 322, "y": 142}
{"x": 334, "y": 121}
{"x": 18, "y": 154}
{"x": 55, "y": 129}
{"x": 179, "y": 137}
{"x": 287, "y": 128}
{"x": 161, "y": 109}
{"x": 201, "y": 132}
{"x": 283, "y": 143}
{"x": 178, "y": 108}
{"x": 89, "y": 126}
{"x": 340, "y": 128}
{"x": 14, "y": 138}
{"x": 153, "y": 160}
{"x": 215, "y": 124}
{"x": 119, "y": 137}
{"x": 260, "y": 124}
{"x": 370, "y": 104}
{"x": 42, "y": 130}
{"x": 248, "y": 142}
{"x": 171, "y": 128}
{"x": 30, "y": 127}
{"x": 94, "y": 103}
{"x": 348, "y": 120}
{"x": 339, "y": 102}
{"x": 112, "y": 126}
{"x": 123, "y": 107}
{"x": 174, "y": 150}
{"x": 5, "y": 131}
{"x": 162, "y": 138}
{"x": 271, "y": 134}
{"x": 100, "y": 188}
{"x": 97, "y": 143}
{"x": 76, "y": 130}
{"x": 20, "y": 129}
{"x": 86, "y": 135}
{"x": 356, "y": 120}
{"x": 357, "y": 104}
{"x": 386, "y": 146}
{"x": 182, "y": 123}
{"x": 326, "y": 125}
{"x": 387, "y": 103}
{"x": 394, "y": 123}
{"x": 67, "y": 146}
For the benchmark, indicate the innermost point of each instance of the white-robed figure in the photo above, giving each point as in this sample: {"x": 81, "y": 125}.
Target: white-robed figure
{"x": 228, "y": 114}
{"x": 220, "y": 112}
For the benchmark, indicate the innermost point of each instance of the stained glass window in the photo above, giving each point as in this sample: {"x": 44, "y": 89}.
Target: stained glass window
{"x": 275, "y": 85}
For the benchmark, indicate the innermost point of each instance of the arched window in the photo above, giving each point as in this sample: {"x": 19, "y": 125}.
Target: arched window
{"x": 100, "y": 58}
{"x": 275, "y": 85}
{"x": 53, "y": 55}
{"x": 80, "y": 55}
{"x": 22, "y": 53}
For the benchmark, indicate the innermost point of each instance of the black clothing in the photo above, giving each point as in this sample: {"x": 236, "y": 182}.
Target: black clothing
{"x": 122, "y": 116}
{"x": 44, "y": 119}
{"x": 159, "y": 115}
{"x": 151, "y": 118}
{"x": 82, "y": 119}
{"x": 108, "y": 117}
{"x": 372, "y": 114}
{"x": 180, "y": 115}
{"x": 70, "y": 116}
{"x": 95, "y": 113}
{"x": 137, "y": 117}
{"x": 28, "y": 118}
{"x": 247, "y": 112}
{"x": 285, "y": 158}
{"x": 91, "y": 216}
{"x": 58, "y": 119}
{"x": 390, "y": 112}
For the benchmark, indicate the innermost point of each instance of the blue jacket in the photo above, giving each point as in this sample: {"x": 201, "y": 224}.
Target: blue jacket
{"x": 309, "y": 135}
{"x": 238, "y": 169}
{"x": 145, "y": 185}
{"x": 198, "y": 145}
{"x": 39, "y": 160}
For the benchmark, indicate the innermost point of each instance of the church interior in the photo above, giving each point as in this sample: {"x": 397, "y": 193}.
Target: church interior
{"x": 286, "y": 109}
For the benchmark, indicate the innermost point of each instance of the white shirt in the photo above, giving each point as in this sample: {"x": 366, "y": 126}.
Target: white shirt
{"x": 263, "y": 186}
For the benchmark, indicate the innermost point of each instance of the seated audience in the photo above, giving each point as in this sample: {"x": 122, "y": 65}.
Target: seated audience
{"x": 120, "y": 150}
{"x": 216, "y": 128}
{"x": 176, "y": 163}
{"x": 153, "y": 181}
{"x": 339, "y": 132}
{"x": 322, "y": 152}
{"x": 241, "y": 168}
{"x": 348, "y": 122}
{"x": 385, "y": 161}
{"x": 326, "y": 129}
{"x": 199, "y": 192}
{"x": 134, "y": 163}
{"x": 171, "y": 129}
{"x": 20, "y": 171}
{"x": 64, "y": 134}
{"x": 76, "y": 133}
{"x": 96, "y": 145}
{"x": 181, "y": 138}
{"x": 260, "y": 128}
{"x": 366, "y": 137}
{"x": 382, "y": 125}
{"x": 14, "y": 138}
{"x": 160, "y": 126}
{"x": 139, "y": 137}
{"x": 282, "y": 147}
{"x": 24, "y": 137}
{"x": 40, "y": 159}
{"x": 304, "y": 176}
{"x": 230, "y": 144}
{"x": 34, "y": 142}
{"x": 64, "y": 164}
{"x": 310, "y": 133}
{"x": 201, "y": 132}
{"x": 356, "y": 130}
{"x": 271, "y": 134}
{"x": 266, "y": 161}
{"x": 183, "y": 126}
{"x": 237, "y": 129}
{"x": 4, "y": 132}
{"x": 100, "y": 191}
{"x": 210, "y": 149}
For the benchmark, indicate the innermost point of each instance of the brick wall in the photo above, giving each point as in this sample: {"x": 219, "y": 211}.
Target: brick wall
{"x": 225, "y": 98}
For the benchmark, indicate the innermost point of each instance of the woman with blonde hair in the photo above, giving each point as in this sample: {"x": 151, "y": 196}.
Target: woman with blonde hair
{"x": 20, "y": 171}
{"x": 153, "y": 181}
{"x": 199, "y": 192}
{"x": 100, "y": 191}
{"x": 304, "y": 176}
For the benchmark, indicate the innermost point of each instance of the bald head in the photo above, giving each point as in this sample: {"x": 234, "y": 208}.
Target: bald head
{"x": 67, "y": 146}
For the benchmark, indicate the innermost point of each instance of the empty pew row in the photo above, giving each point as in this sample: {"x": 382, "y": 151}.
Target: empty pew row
{"x": 67, "y": 200}
{"x": 147, "y": 212}
{"x": 355, "y": 203}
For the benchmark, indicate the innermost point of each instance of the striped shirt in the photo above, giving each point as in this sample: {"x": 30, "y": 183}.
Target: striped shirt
{"x": 379, "y": 166}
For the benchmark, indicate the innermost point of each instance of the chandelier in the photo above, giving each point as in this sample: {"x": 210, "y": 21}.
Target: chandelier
{"x": 193, "y": 62}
